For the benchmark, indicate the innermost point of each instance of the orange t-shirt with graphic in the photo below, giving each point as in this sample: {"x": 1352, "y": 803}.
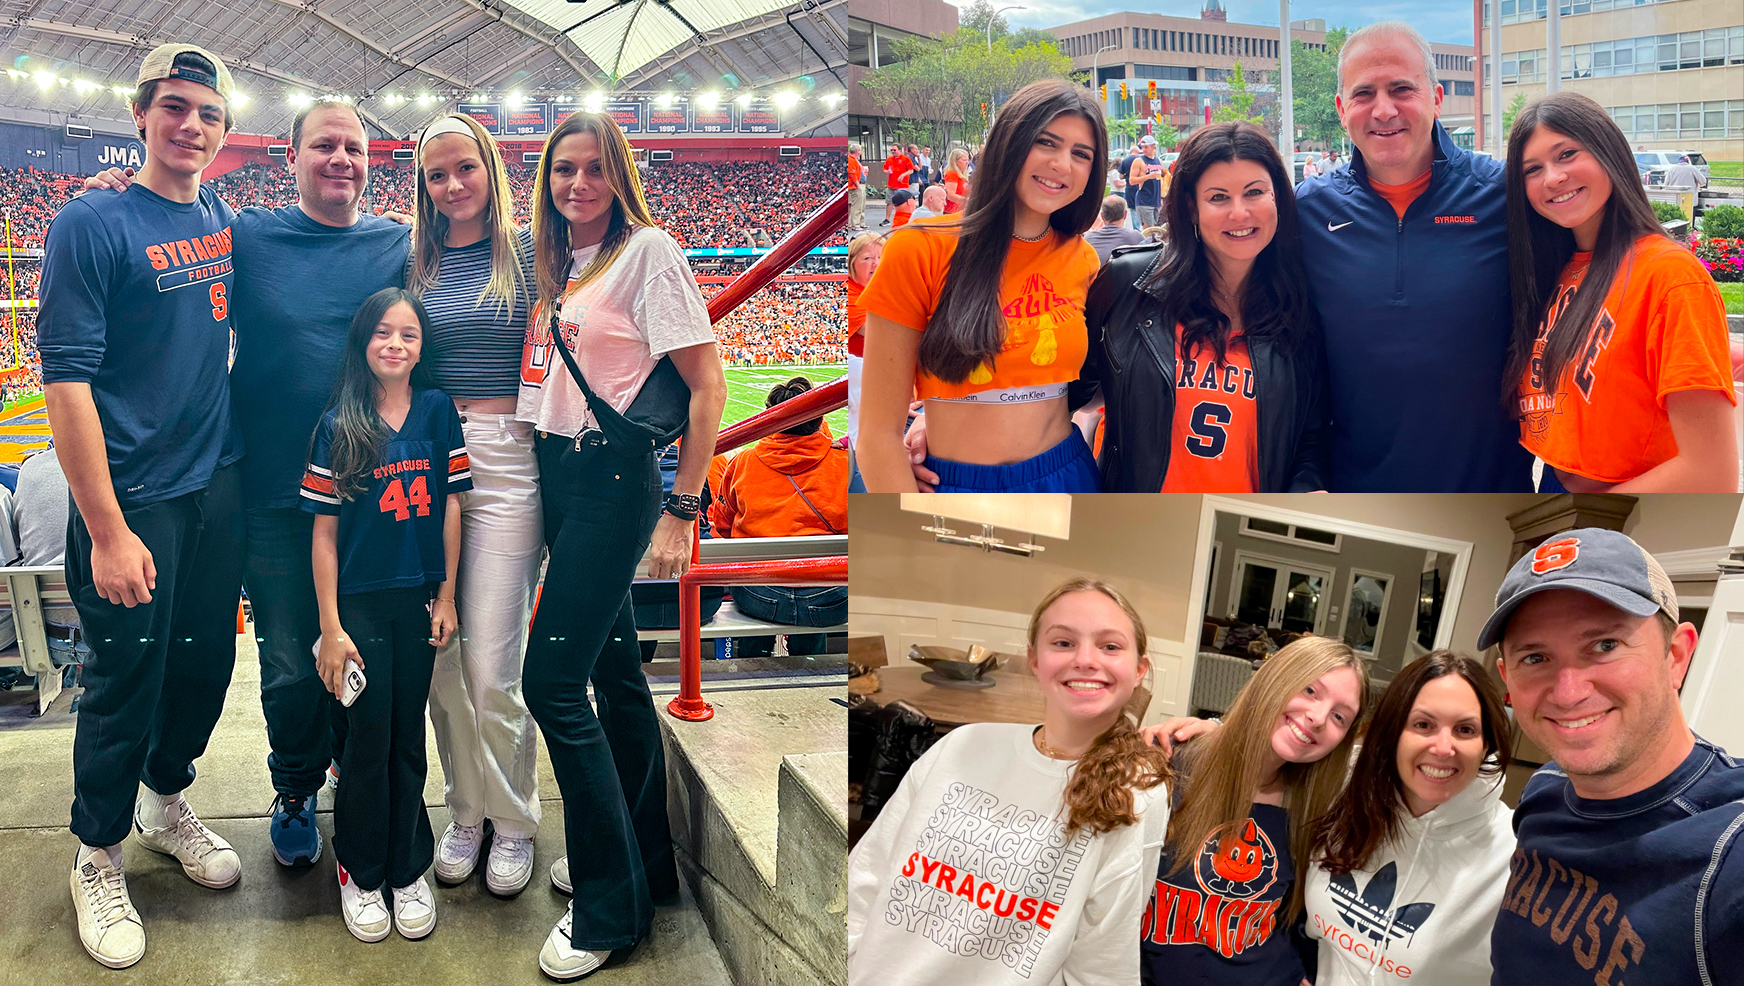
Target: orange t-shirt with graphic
{"x": 1662, "y": 329}
{"x": 959, "y": 183}
{"x": 1215, "y": 433}
{"x": 1400, "y": 197}
{"x": 1041, "y": 292}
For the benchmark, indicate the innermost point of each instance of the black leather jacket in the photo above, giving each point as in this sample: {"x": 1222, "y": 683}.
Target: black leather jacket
{"x": 1132, "y": 359}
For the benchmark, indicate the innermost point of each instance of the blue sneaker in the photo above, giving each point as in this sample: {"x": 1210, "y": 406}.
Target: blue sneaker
{"x": 295, "y": 839}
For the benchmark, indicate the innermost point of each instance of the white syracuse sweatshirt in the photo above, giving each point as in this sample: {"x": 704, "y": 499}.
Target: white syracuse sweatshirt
{"x": 1421, "y": 911}
{"x": 968, "y": 876}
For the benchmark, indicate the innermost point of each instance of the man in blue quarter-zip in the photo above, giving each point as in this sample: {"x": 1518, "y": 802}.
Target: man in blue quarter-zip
{"x": 1407, "y": 250}
{"x": 1630, "y": 862}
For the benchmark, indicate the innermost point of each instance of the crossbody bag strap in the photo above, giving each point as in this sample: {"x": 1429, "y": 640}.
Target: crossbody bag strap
{"x": 813, "y": 506}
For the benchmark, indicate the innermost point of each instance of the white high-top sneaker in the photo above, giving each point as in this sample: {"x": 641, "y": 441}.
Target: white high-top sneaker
{"x": 109, "y": 927}
{"x": 173, "y": 829}
{"x": 563, "y": 961}
{"x": 414, "y": 909}
{"x": 366, "y": 914}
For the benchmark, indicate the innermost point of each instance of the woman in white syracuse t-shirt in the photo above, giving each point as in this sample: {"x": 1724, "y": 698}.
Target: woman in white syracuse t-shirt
{"x": 625, "y": 297}
{"x": 1023, "y": 854}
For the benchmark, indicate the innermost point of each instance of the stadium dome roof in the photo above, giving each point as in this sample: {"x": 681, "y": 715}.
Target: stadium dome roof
{"x": 67, "y": 56}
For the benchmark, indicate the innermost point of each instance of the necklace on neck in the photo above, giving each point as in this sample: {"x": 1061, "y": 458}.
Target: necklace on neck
{"x": 1032, "y": 239}
{"x": 1046, "y": 750}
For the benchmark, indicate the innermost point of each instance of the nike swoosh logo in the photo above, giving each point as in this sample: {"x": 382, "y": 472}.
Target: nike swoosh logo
{"x": 1333, "y": 229}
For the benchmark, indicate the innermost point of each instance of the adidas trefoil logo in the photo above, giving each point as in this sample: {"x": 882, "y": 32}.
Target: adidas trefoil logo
{"x": 1368, "y": 912}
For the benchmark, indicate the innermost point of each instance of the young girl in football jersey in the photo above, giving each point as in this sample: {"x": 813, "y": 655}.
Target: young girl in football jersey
{"x": 1049, "y": 832}
{"x": 1618, "y": 368}
{"x": 473, "y": 269}
{"x": 1248, "y": 795}
{"x": 981, "y": 313}
{"x": 382, "y": 463}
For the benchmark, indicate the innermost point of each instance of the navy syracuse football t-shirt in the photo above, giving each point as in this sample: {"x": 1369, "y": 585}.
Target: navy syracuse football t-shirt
{"x": 391, "y": 536}
{"x": 1217, "y": 921}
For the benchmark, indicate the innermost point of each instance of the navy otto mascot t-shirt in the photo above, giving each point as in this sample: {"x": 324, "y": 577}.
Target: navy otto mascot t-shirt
{"x": 1217, "y": 921}
{"x": 391, "y": 536}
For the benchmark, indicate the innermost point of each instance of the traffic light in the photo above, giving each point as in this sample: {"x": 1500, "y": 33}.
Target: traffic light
{"x": 1123, "y": 89}
{"x": 1105, "y": 92}
{"x": 1158, "y": 116}
{"x": 1153, "y": 89}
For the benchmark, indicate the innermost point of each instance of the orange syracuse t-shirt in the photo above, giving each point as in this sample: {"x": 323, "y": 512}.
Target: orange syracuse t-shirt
{"x": 1215, "y": 435}
{"x": 1662, "y": 330}
{"x": 1400, "y": 197}
{"x": 959, "y": 183}
{"x": 856, "y": 320}
{"x": 1041, "y": 292}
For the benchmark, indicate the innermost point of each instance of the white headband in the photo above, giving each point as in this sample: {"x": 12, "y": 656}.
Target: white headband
{"x": 446, "y": 125}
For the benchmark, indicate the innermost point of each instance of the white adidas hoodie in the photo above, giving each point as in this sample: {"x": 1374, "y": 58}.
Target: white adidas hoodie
{"x": 968, "y": 876}
{"x": 1421, "y": 911}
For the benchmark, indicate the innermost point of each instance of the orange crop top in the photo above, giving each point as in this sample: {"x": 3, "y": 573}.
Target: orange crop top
{"x": 1041, "y": 291}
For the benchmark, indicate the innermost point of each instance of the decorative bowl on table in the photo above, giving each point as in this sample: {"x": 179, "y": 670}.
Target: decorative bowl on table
{"x": 950, "y": 667}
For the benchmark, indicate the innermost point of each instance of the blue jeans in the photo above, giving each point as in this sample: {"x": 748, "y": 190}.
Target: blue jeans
{"x": 281, "y": 588}
{"x": 815, "y": 606}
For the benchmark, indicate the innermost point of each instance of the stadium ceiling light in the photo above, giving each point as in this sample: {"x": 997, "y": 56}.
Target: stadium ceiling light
{"x": 84, "y": 85}
{"x": 517, "y": 98}
{"x": 121, "y": 91}
{"x": 15, "y": 74}
{"x": 709, "y": 100}
{"x": 744, "y": 100}
{"x": 596, "y": 101}
{"x": 664, "y": 100}
{"x": 426, "y": 98}
{"x": 239, "y": 98}
{"x": 785, "y": 100}
{"x": 45, "y": 79}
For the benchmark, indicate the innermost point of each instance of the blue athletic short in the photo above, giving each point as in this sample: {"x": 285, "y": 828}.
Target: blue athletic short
{"x": 1066, "y": 468}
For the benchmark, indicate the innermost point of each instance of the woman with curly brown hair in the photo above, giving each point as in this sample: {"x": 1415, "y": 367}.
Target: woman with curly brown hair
{"x": 1022, "y": 854}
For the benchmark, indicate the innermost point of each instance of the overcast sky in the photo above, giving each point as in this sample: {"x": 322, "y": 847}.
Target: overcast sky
{"x": 1444, "y": 21}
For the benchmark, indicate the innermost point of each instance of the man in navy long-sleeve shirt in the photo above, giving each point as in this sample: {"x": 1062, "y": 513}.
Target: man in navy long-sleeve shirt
{"x": 1407, "y": 250}
{"x": 1630, "y": 863}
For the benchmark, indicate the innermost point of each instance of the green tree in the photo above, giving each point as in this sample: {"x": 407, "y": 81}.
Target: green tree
{"x": 1166, "y": 134}
{"x": 1511, "y": 112}
{"x": 1314, "y": 88}
{"x": 1241, "y": 101}
{"x": 1124, "y": 130}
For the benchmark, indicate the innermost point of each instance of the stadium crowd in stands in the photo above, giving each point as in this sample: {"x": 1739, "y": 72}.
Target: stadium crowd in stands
{"x": 786, "y": 322}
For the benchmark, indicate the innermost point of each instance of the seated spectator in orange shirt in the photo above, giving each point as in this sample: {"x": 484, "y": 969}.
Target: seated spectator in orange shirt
{"x": 791, "y": 484}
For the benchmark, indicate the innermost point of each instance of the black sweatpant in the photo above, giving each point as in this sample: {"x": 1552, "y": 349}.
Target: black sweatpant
{"x": 156, "y": 678}
{"x": 381, "y": 829}
{"x": 599, "y": 516}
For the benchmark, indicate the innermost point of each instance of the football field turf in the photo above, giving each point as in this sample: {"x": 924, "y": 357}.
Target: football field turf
{"x": 748, "y": 388}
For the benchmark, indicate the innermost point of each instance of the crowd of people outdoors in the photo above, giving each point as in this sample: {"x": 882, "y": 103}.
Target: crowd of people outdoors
{"x": 788, "y": 322}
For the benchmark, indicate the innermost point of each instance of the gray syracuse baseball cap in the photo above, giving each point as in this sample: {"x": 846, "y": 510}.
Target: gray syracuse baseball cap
{"x": 1607, "y": 565}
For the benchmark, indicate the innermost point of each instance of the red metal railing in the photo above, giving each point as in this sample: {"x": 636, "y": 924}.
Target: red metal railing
{"x": 689, "y": 705}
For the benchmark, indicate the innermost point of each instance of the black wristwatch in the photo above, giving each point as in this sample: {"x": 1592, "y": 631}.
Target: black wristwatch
{"x": 684, "y": 506}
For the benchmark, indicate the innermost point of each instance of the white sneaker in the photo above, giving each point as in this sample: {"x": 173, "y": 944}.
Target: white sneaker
{"x": 109, "y": 927}
{"x": 366, "y": 914}
{"x": 560, "y": 875}
{"x": 414, "y": 909}
{"x": 563, "y": 961}
{"x": 174, "y": 830}
{"x": 510, "y": 866}
{"x": 457, "y": 852}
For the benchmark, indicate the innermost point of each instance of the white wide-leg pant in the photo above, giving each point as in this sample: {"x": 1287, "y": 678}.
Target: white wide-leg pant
{"x": 484, "y": 734}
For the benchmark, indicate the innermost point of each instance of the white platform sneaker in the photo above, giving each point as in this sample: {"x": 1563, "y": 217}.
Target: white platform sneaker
{"x": 510, "y": 866}
{"x": 563, "y": 961}
{"x": 173, "y": 829}
{"x": 457, "y": 852}
{"x": 560, "y": 875}
{"x": 109, "y": 927}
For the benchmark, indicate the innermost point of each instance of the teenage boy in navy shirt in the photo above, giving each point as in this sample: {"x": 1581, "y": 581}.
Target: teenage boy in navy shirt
{"x": 1630, "y": 864}
{"x": 134, "y": 333}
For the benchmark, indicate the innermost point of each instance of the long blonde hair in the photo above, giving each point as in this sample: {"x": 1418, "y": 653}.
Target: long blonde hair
{"x": 551, "y": 246}
{"x": 1224, "y": 768}
{"x": 430, "y": 226}
{"x": 1099, "y": 795}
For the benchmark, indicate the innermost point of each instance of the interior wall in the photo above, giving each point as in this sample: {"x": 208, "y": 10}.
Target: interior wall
{"x": 1681, "y": 521}
{"x": 1404, "y": 564}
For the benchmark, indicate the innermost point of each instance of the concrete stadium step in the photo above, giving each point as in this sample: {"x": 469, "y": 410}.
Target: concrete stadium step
{"x": 758, "y": 801}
